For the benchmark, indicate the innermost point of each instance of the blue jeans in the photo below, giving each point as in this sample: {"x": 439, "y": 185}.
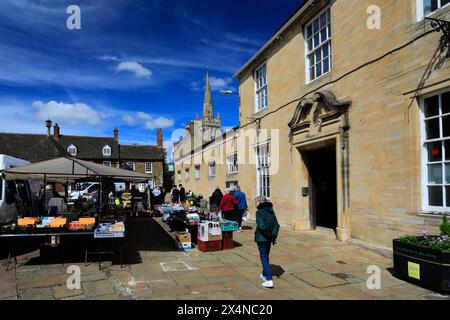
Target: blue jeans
{"x": 264, "y": 252}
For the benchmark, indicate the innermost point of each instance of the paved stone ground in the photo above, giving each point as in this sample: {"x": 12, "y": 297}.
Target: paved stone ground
{"x": 306, "y": 265}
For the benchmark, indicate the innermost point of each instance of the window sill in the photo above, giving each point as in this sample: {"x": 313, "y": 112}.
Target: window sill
{"x": 261, "y": 112}
{"x": 431, "y": 214}
{"x": 323, "y": 78}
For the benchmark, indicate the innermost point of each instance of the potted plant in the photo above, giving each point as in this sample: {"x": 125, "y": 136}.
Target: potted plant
{"x": 424, "y": 260}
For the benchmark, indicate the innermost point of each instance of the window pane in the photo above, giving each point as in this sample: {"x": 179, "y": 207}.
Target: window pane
{"x": 447, "y": 150}
{"x": 325, "y": 50}
{"x": 316, "y": 25}
{"x": 435, "y": 174}
{"x": 326, "y": 65}
{"x": 447, "y": 175}
{"x": 446, "y": 101}
{"x": 429, "y": 6}
{"x": 435, "y": 197}
{"x": 311, "y": 60}
{"x": 316, "y": 40}
{"x": 318, "y": 70}
{"x": 310, "y": 44}
{"x": 432, "y": 128}
{"x": 323, "y": 19}
{"x": 309, "y": 31}
{"x": 323, "y": 35}
{"x": 435, "y": 151}
{"x": 432, "y": 106}
{"x": 318, "y": 55}
{"x": 446, "y": 126}
{"x": 444, "y": 2}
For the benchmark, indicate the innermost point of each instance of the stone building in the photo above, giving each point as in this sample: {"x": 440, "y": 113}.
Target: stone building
{"x": 102, "y": 150}
{"x": 361, "y": 119}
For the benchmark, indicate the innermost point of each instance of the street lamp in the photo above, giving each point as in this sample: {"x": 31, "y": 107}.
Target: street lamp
{"x": 228, "y": 92}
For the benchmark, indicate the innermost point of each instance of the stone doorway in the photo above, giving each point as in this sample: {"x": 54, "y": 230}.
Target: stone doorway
{"x": 321, "y": 164}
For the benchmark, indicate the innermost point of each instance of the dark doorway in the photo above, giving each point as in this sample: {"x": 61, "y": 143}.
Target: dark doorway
{"x": 321, "y": 164}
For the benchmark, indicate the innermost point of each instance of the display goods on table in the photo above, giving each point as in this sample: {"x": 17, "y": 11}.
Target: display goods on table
{"x": 228, "y": 225}
{"x": 110, "y": 230}
{"x": 209, "y": 231}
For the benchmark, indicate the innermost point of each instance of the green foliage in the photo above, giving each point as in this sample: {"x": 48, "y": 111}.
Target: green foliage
{"x": 445, "y": 226}
{"x": 410, "y": 239}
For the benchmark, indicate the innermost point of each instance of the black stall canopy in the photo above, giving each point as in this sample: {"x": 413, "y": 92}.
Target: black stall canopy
{"x": 69, "y": 170}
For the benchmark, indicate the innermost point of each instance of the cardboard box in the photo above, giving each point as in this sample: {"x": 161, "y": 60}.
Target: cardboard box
{"x": 58, "y": 222}
{"x": 183, "y": 237}
{"x": 27, "y": 221}
{"x": 184, "y": 246}
{"x": 87, "y": 221}
{"x": 209, "y": 231}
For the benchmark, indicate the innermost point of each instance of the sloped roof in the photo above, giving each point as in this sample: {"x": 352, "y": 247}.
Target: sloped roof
{"x": 141, "y": 152}
{"x": 90, "y": 147}
{"x": 30, "y": 147}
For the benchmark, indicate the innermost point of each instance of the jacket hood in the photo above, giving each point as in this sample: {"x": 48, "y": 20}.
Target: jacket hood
{"x": 266, "y": 206}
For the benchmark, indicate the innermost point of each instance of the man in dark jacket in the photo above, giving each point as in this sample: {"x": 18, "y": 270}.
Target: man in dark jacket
{"x": 182, "y": 194}
{"x": 215, "y": 200}
{"x": 266, "y": 234}
{"x": 241, "y": 200}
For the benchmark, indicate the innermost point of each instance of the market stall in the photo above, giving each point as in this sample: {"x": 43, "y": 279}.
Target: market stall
{"x": 103, "y": 221}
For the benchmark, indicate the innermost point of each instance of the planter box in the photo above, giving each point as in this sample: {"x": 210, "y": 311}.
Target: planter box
{"x": 424, "y": 267}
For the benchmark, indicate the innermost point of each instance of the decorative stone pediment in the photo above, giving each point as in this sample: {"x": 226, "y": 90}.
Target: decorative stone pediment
{"x": 312, "y": 113}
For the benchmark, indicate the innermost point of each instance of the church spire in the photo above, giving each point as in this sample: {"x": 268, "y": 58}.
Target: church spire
{"x": 207, "y": 104}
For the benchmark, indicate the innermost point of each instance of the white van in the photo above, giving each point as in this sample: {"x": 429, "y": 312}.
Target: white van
{"x": 83, "y": 189}
{"x": 15, "y": 193}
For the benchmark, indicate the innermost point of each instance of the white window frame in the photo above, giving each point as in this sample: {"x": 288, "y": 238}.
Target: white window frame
{"x": 261, "y": 87}
{"x": 263, "y": 170}
{"x": 72, "y": 153}
{"x": 420, "y": 8}
{"x": 328, "y": 42}
{"x": 146, "y": 167}
{"x": 197, "y": 172}
{"x": 107, "y": 163}
{"x": 424, "y": 157}
{"x": 132, "y": 165}
{"x": 232, "y": 163}
{"x": 108, "y": 151}
{"x": 212, "y": 172}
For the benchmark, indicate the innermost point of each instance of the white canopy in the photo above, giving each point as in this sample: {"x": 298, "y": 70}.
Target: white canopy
{"x": 70, "y": 169}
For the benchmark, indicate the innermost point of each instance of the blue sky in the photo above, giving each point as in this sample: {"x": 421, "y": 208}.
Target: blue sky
{"x": 136, "y": 65}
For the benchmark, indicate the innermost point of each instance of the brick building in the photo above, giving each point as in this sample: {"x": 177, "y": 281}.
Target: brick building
{"x": 361, "y": 118}
{"x": 103, "y": 150}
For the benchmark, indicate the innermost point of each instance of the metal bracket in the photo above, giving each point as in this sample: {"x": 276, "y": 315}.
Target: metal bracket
{"x": 442, "y": 26}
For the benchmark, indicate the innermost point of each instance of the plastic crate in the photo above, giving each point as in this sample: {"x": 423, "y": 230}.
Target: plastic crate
{"x": 227, "y": 240}
{"x": 209, "y": 246}
{"x": 228, "y": 225}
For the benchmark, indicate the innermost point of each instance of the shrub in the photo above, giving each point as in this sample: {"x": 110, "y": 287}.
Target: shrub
{"x": 445, "y": 226}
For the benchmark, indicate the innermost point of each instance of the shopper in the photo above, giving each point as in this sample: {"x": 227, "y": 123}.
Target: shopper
{"x": 266, "y": 234}
{"x": 228, "y": 205}
{"x": 241, "y": 200}
{"x": 215, "y": 200}
{"x": 175, "y": 195}
{"x": 182, "y": 194}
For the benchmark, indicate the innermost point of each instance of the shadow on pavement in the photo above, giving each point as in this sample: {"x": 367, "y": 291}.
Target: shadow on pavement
{"x": 277, "y": 271}
{"x": 143, "y": 234}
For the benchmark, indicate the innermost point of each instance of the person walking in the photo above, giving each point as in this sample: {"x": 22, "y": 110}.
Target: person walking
{"x": 215, "y": 200}
{"x": 228, "y": 205}
{"x": 182, "y": 194}
{"x": 266, "y": 234}
{"x": 241, "y": 200}
{"x": 175, "y": 195}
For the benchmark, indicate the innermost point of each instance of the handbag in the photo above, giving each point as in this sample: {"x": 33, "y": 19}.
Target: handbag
{"x": 246, "y": 216}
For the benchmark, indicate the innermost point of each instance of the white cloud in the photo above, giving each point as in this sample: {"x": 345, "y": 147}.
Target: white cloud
{"x": 160, "y": 122}
{"x": 128, "y": 119}
{"x": 217, "y": 84}
{"x": 136, "y": 68}
{"x": 70, "y": 113}
{"x": 148, "y": 121}
{"x": 220, "y": 83}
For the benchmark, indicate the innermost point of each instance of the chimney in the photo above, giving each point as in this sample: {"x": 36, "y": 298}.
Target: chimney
{"x": 116, "y": 135}
{"x": 56, "y": 134}
{"x": 48, "y": 124}
{"x": 159, "y": 138}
